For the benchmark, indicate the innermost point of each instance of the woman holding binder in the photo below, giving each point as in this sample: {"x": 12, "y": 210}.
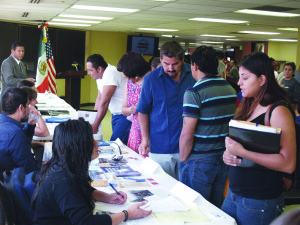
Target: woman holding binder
{"x": 63, "y": 193}
{"x": 255, "y": 195}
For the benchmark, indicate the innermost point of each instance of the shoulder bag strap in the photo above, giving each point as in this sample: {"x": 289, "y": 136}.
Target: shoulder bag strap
{"x": 272, "y": 107}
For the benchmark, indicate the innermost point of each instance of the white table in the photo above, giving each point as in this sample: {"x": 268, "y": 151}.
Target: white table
{"x": 52, "y": 103}
{"x": 149, "y": 168}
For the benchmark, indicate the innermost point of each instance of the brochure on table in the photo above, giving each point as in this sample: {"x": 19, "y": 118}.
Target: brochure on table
{"x": 171, "y": 201}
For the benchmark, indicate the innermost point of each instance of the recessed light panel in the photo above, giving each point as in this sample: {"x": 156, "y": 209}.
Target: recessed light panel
{"x": 100, "y": 8}
{"x": 220, "y": 36}
{"x": 85, "y": 17}
{"x": 258, "y": 32}
{"x": 74, "y": 21}
{"x": 157, "y": 29}
{"x": 284, "y": 40}
{"x": 69, "y": 24}
{"x": 218, "y": 20}
{"x": 266, "y": 13}
{"x": 288, "y": 28}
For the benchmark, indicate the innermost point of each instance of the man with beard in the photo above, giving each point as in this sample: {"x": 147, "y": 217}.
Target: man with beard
{"x": 15, "y": 138}
{"x": 160, "y": 107}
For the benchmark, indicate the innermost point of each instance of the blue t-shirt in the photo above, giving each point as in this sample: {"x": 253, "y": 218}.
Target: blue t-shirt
{"x": 162, "y": 98}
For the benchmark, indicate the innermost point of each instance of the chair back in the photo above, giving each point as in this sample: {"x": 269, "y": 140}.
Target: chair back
{"x": 7, "y": 208}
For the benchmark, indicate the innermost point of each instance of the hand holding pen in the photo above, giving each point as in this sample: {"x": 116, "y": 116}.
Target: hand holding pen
{"x": 118, "y": 197}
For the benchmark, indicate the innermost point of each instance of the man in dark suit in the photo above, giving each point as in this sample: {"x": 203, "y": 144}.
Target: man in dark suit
{"x": 12, "y": 68}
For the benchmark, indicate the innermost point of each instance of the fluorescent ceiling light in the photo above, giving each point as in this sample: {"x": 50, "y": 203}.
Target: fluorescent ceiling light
{"x": 85, "y": 17}
{"x": 100, "y": 8}
{"x": 232, "y": 39}
{"x": 169, "y": 35}
{"x": 70, "y": 24}
{"x": 258, "y": 32}
{"x": 217, "y": 46}
{"x": 218, "y": 20}
{"x": 213, "y": 42}
{"x": 285, "y": 40}
{"x": 288, "y": 28}
{"x": 74, "y": 21}
{"x": 157, "y": 29}
{"x": 212, "y": 35}
{"x": 266, "y": 13}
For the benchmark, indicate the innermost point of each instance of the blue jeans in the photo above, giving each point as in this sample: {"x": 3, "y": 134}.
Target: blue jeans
{"x": 120, "y": 127}
{"x": 168, "y": 162}
{"x": 205, "y": 175}
{"x": 247, "y": 211}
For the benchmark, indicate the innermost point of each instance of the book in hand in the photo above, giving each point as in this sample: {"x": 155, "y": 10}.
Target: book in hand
{"x": 121, "y": 171}
{"x": 256, "y": 138}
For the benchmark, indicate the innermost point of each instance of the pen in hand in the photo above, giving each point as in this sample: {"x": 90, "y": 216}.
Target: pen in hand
{"x": 112, "y": 186}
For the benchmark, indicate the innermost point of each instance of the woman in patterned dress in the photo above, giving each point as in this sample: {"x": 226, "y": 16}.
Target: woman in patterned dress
{"x": 134, "y": 67}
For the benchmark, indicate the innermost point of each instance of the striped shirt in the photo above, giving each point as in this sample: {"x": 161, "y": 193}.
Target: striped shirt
{"x": 213, "y": 102}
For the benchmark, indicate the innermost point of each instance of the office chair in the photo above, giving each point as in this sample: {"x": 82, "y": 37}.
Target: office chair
{"x": 7, "y": 208}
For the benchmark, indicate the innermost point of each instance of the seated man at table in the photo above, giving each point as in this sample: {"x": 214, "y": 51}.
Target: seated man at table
{"x": 15, "y": 138}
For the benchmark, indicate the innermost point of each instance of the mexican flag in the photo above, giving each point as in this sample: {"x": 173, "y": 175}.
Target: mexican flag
{"x": 45, "y": 73}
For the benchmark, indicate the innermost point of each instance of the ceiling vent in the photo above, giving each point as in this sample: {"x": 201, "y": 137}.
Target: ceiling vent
{"x": 34, "y": 1}
{"x": 25, "y": 14}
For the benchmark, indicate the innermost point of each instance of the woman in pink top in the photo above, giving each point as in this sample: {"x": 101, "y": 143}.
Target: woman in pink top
{"x": 134, "y": 67}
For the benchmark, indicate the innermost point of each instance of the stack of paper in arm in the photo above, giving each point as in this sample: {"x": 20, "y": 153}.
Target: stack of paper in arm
{"x": 255, "y": 138}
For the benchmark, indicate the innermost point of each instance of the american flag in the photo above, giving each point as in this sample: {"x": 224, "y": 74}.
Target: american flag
{"x": 51, "y": 73}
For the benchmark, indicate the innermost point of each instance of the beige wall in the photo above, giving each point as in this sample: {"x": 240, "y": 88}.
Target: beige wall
{"x": 112, "y": 46}
{"x": 283, "y": 51}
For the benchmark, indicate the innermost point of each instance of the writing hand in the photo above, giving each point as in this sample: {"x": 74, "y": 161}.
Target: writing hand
{"x": 114, "y": 198}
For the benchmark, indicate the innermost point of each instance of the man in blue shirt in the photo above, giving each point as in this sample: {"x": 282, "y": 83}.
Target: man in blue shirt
{"x": 15, "y": 138}
{"x": 208, "y": 107}
{"x": 160, "y": 107}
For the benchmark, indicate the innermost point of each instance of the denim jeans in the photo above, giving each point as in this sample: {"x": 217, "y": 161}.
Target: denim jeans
{"x": 168, "y": 162}
{"x": 206, "y": 175}
{"x": 247, "y": 211}
{"x": 120, "y": 127}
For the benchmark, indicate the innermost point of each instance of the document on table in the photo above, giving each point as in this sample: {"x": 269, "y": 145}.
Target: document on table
{"x": 189, "y": 194}
{"x": 169, "y": 204}
{"x": 150, "y": 220}
{"x": 194, "y": 215}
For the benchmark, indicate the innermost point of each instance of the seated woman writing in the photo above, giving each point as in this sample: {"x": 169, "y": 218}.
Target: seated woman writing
{"x": 63, "y": 193}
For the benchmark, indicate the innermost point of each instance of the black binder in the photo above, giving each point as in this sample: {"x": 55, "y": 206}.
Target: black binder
{"x": 253, "y": 139}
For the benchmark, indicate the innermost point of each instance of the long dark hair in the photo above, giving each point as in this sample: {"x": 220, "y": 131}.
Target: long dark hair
{"x": 72, "y": 149}
{"x": 259, "y": 64}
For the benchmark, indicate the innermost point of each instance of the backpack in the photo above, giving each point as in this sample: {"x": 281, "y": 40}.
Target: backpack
{"x": 21, "y": 187}
{"x": 291, "y": 181}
